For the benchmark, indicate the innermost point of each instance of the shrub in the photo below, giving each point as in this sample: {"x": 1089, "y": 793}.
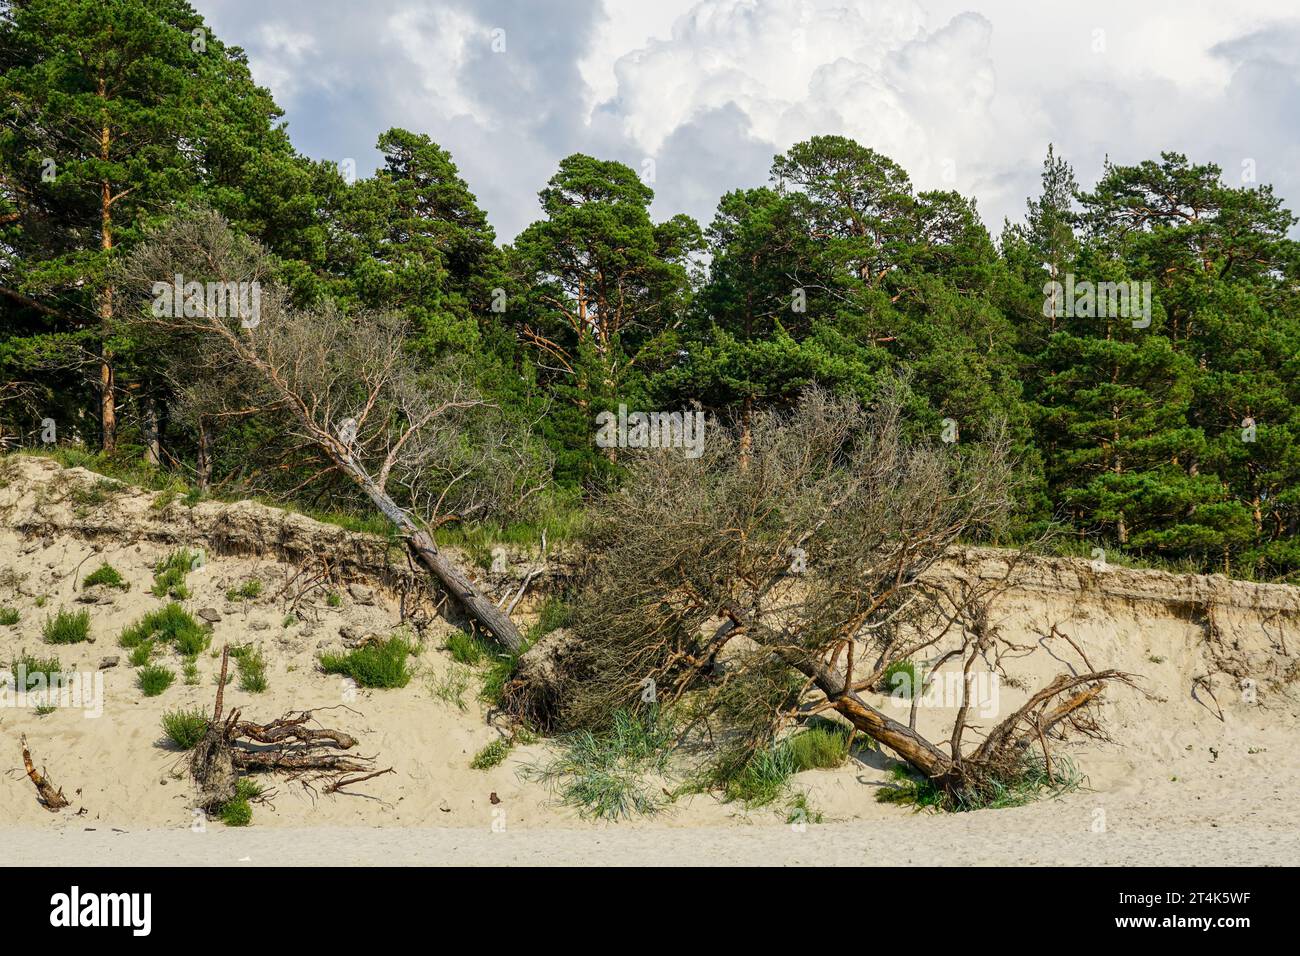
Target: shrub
{"x": 763, "y": 778}
{"x": 238, "y": 811}
{"x": 106, "y": 575}
{"x": 191, "y": 672}
{"x": 154, "y": 679}
{"x": 169, "y": 574}
{"x": 381, "y": 664}
{"x": 140, "y": 654}
{"x": 67, "y": 627}
{"x": 247, "y": 591}
{"x": 252, "y": 669}
{"x": 28, "y": 671}
{"x": 169, "y": 625}
{"x": 8, "y": 615}
{"x": 185, "y": 728}
{"x": 491, "y": 755}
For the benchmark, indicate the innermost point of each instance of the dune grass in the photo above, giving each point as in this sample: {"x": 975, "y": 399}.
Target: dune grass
{"x": 382, "y": 664}
{"x": 185, "y": 728}
{"x": 67, "y": 627}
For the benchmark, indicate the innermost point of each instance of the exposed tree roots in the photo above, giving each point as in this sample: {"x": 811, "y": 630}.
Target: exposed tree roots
{"x": 290, "y": 745}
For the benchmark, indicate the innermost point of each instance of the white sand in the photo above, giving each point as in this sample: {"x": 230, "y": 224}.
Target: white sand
{"x": 1178, "y": 785}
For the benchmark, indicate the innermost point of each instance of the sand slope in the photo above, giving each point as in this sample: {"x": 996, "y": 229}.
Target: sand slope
{"x": 1179, "y": 784}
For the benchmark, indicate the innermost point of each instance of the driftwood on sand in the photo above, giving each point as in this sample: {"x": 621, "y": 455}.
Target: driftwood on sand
{"x": 50, "y": 797}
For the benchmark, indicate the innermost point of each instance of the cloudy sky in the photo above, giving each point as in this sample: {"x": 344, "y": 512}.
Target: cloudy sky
{"x": 698, "y": 95}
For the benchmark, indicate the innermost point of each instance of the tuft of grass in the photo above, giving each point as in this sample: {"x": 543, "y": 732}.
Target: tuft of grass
{"x": 153, "y": 679}
{"x": 191, "y": 672}
{"x": 106, "y": 575}
{"x": 172, "y": 625}
{"x": 381, "y": 664}
{"x": 611, "y": 774}
{"x": 467, "y": 648}
{"x": 799, "y": 810}
{"x": 252, "y": 668}
{"x": 450, "y": 688}
{"x": 491, "y": 755}
{"x": 43, "y": 710}
{"x": 823, "y": 744}
{"x": 554, "y": 614}
{"x": 334, "y": 599}
{"x": 238, "y": 812}
{"x": 8, "y": 615}
{"x": 762, "y": 779}
{"x": 247, "y": 591}
{"x": 185, "y": 728}
{"x": 902, "y": 678}
{"x": 169, "y": 574}
{"x": 141, "y": 654}
{"x": 67, "y": 627}
{"x": 28, "y": 671}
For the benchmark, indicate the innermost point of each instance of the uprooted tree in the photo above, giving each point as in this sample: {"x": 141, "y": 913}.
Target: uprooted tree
{"x": 344, "y": 406}
{"x": 293, "y": 745}
{"x": 753, "y": 589}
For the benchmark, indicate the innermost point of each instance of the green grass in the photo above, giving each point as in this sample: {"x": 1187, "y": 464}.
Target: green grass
{"x": 613, "y": 774}
{"x": 554, "y": 614}
{"x": 169, "y": 574}
{"x": 185, "y": 728}
{"x": 106, "y": 575}
{"x": 467, "y": 648}
{"x": 34, "y": 670}
{"x": 901, "y": 677}
{"x": 382, "y": 664}
{"x": 247, "y": 591}
{"x": 141, "y": 654}
{"x": 153, "y": 679}
{"x": 8, "y": 615}
{"x": 190, "y": 671}
{"x": 799, "y": 810}
{"x": 238, "y": 812}
{"x": 491, "y": 755}
{"x": 823, "y": 744}
{"x": 67, "y": 627}
{"x": 252, "y": 668}
{"x": 172, "y": 625}
{"x": 1028, "y": 783}
{"x": 43, "y": 710}
{"x": 452, "y": 686}
{"x": 334, "y": 599}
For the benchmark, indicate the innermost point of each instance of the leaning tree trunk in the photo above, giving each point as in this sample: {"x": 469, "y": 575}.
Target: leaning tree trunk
{"x": 421, "y": 544}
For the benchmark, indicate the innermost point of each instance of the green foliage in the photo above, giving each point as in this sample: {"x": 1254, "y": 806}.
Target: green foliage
{"x": 185, "y": 728}
{"x": 67, "y": 627}
{"x": 247, "y": 591}
{"x": 612, "y": 775}
{"x": 491, "y": 755}
{"x": 380, "y": 664}
{"x": 169, "y": 574}
{"x": 1024, "y": 784}
{"x": 153, "y": 679}
{"x": 141, "y": 653}
{"x": 238, "y": 811}
{"x": 8, "y": 615}
{"x": 467, "y": 648}
{"x": 823, "y": 744}
{"x": 28, "y": 671}
{"x": 172, "y": 625}
{"x": 106, "y": 575}
{"x": 902, "y": 679}
{"x": 251, "y": 665}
